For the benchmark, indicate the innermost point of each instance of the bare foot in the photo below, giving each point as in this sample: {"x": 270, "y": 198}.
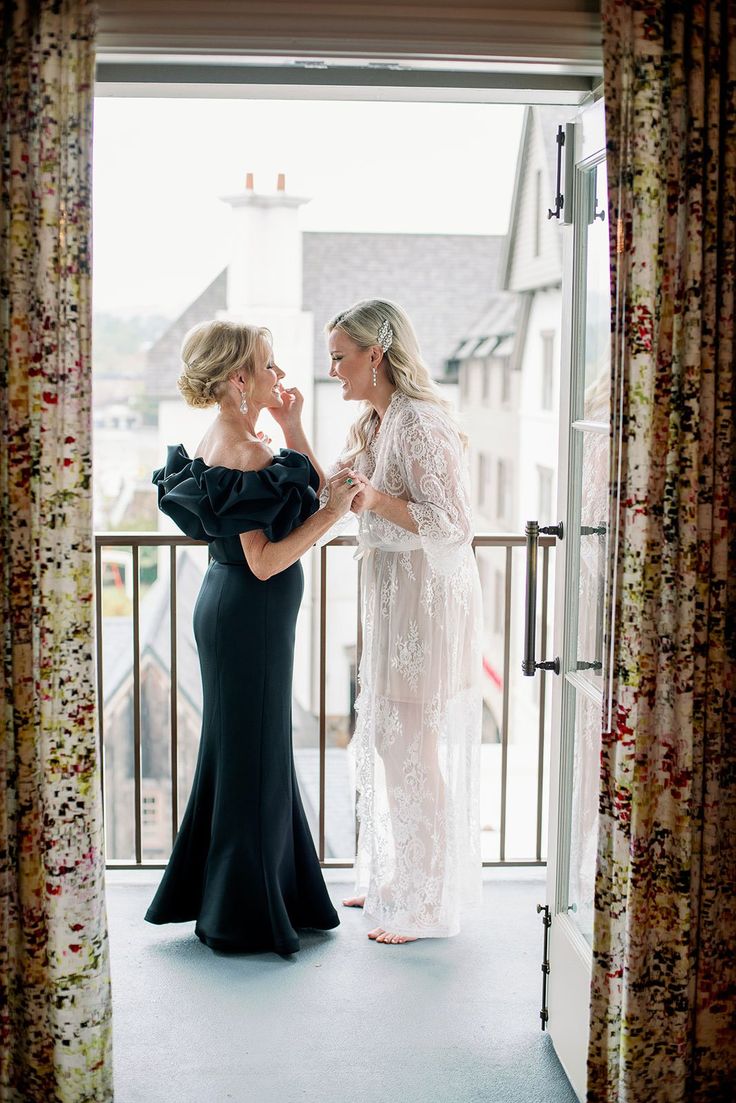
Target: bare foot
{"x": 379, "y": 935}
{"x": 354, "y": 901}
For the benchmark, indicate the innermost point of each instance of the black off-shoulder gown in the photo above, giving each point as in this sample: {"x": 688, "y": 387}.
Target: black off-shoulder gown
{"x": 243, "y": 865}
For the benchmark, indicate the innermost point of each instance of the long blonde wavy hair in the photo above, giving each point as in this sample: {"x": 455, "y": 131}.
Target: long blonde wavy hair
{"x": 402, "y": 362}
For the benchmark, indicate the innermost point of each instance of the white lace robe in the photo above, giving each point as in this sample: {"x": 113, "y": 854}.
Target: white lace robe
{"x": 417, "y": 735}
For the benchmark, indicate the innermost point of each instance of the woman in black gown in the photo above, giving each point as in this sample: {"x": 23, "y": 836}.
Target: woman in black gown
{"x": 244, "y": 865}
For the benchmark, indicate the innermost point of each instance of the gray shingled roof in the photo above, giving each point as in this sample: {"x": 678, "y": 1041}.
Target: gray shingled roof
{"x": 444, "y": 281}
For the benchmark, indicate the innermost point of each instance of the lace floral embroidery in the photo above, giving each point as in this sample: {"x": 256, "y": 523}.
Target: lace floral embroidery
{"x": 389, "y": 589}
{"x": 405, "y": 561}
{"x": 410, "y": 656}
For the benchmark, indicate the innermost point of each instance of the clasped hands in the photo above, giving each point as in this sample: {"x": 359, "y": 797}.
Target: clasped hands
{"x": 351, "y": 490}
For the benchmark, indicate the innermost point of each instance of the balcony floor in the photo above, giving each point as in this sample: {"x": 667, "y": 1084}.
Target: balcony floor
{"x": 344, "y": 1021}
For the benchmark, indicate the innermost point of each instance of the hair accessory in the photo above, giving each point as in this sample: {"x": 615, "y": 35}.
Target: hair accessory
{"x": 385, "y": 335}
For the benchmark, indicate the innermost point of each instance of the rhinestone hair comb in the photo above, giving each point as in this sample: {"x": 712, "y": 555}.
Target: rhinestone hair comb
{"x": 385, "y": 335}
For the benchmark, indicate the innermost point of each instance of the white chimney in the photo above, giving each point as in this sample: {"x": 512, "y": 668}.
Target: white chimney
{"x": 266, "y": 261}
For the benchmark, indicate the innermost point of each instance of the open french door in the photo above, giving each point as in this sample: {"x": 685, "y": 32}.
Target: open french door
{"x": 580, "y": 698}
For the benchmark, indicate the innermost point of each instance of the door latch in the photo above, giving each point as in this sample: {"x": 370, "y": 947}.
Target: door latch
{"x": 543, "y": 909}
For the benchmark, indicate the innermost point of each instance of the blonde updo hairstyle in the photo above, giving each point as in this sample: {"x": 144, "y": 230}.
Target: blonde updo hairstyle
{"x": 402, "y": 361}
{"x": 212, "y": 352}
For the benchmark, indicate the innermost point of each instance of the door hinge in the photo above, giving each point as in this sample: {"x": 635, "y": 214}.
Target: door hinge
{"x": 543, "y": 909}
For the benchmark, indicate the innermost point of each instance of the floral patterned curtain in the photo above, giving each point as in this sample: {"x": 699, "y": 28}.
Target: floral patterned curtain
{"x": 663, "y": 1025}
{"x": 54, "y": 979}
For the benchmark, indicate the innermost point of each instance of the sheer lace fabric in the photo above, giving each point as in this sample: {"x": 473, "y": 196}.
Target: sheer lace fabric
{"x": 417, "y": 736}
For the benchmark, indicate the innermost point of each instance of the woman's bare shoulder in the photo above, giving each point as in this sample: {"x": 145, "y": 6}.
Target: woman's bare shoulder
{"x": 244, "y": 455}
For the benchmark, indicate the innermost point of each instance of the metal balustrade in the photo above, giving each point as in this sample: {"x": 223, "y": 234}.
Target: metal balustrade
{"x": 136, "y": 541}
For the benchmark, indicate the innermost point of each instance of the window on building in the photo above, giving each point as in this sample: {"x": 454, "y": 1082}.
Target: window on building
{"x": 482, "y": 479}
{"x": 548, "y": 370}
{"x": 463, "y": 379}
{"x": 506, "y": 380}
{"x": 486, "y": 382}
{"x": 503, "y": 489}
{"x": 537, "y": 213}
{"x": 149, "y": 808}
{"x": 545, "y": 476}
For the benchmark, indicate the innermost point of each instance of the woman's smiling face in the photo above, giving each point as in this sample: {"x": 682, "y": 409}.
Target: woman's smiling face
{"x": 266, "y": 380}
{"x": 350, "y": 365}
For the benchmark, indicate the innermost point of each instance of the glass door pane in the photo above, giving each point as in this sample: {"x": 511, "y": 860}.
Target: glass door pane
{"x": 588, "y": 493}
{"x": 594, "y": 400}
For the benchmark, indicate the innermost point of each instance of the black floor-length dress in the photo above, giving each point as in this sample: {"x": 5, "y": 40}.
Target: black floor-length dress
{"x": 244, "y": 864}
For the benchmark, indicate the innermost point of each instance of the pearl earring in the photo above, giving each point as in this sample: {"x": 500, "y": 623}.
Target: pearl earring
{"x": 373, "y": 369}
{"x": 243, "y": 403}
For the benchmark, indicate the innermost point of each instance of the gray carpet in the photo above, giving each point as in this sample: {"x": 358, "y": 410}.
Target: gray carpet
{"x": 344, "y": 1021}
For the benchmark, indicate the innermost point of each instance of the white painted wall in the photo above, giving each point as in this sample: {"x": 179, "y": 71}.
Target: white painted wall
{"x": 538, "y": 427}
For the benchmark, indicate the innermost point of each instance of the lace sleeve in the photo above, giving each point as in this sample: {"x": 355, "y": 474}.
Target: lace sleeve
{"x": 432, "y": 470}
{"x": 437, "y": 482}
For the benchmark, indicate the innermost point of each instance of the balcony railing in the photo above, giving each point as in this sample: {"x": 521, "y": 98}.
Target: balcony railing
{"x": 136, "y": 542}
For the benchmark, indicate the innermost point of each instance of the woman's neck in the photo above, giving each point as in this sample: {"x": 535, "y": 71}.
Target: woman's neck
{"x": 382, "y": 400}
{"x": 241, "y": 423}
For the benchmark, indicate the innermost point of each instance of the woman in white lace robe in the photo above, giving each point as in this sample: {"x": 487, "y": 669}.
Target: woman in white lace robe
{"x": 417, "y": 736}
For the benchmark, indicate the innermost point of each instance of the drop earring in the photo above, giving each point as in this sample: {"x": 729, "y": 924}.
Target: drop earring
{"x": 243, "y": 403}
{"x": 375, "y": 382}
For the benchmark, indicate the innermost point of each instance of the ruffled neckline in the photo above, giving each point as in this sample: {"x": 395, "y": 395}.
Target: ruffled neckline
{"x": 211, "y": 501}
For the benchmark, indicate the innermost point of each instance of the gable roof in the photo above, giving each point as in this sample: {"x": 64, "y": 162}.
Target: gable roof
{"x": 544, "y": 120}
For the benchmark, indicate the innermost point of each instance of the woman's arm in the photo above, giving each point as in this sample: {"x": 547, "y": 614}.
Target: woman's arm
{"x": 266, "y": 558}
{"x": 429, "y": 455}
{"x": 297, "y": 439}
{"x": 395, "y": 510}
{"x": 289, "y": 417}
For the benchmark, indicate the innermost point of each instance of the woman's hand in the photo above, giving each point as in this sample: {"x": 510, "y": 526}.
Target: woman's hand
{"x": 343, "y": 487}
{"x": 367, "y": 498}
{"x": 289, "y": 416}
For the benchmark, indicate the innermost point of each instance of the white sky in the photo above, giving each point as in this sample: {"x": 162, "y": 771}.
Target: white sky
{"x": 161, "y": 231}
